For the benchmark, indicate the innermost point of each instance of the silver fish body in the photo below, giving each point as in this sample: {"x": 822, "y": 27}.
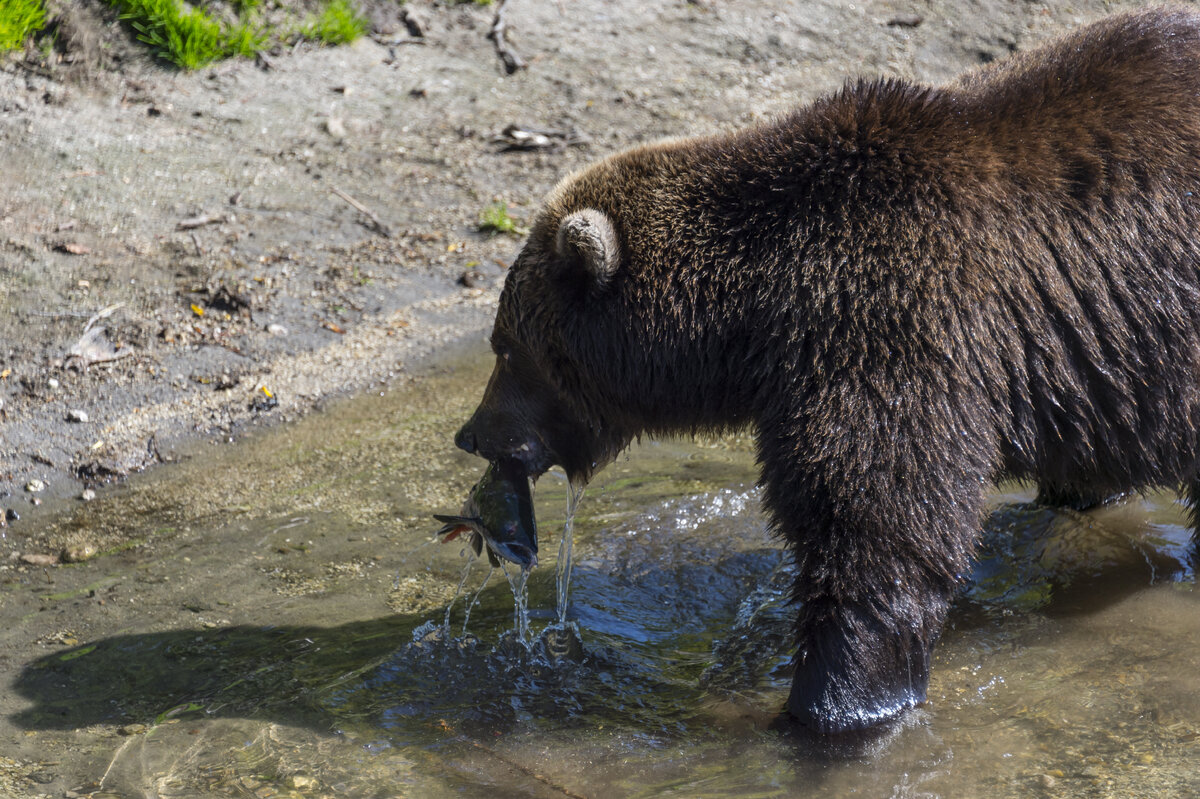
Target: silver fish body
{"x": 499, "y": 513}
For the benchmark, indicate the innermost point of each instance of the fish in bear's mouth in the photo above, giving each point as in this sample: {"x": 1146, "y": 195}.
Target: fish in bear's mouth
{"x": 499, "y": 513}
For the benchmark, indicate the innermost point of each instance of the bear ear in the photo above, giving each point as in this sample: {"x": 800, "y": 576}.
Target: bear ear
{"x": 589, "y": 237}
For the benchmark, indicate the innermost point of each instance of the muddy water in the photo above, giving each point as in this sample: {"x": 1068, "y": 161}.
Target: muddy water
{"x": 270, "y": 619}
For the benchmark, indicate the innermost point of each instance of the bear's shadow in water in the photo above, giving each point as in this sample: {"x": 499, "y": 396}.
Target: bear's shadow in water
{"x": 1032, "y": 558}
{"x": 399, "y": 675}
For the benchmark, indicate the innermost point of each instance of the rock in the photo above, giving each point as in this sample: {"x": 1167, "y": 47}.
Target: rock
{"x": 413, "y": 23}
{"x": 88, "y": 495}
{"x": 52, "y": 383}
{"x": 37, "y": 559}
{"x": 276, "y": 329}
{"x": 11, "y": 515}
{"x": 299, "y": 782}
{"x": 78, "y": 553}
{"x": 132, "y": 729}
{"x": 471, "y": 278}
{"x": 79, "y": 417}
{"x": 35, "y": 486}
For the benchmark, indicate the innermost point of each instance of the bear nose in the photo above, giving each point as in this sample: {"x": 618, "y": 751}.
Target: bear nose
{"x": 465, "y": 440}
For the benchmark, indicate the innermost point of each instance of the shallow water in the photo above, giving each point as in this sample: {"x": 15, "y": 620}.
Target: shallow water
{"x": 271, "y": 623}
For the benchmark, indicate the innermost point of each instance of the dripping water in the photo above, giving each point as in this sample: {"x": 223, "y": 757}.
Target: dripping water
{"x": 562, "y": 573}
{"x": 457, "y": 593}
{"x": 475, "y": 599}
{"x": 520, "y": 588}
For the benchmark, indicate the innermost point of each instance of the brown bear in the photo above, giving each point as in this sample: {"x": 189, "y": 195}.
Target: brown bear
{"x": 909, "y": 292}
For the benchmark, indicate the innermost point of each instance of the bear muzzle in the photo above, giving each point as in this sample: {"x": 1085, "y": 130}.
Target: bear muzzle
{"x": 488, "y": 443}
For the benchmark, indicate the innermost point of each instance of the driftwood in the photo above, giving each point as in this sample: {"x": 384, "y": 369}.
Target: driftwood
{"x": 518, "y": 137}
{"x": 93, "y": 346}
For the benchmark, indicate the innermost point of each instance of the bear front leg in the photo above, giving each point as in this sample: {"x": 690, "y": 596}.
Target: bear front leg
{"x": 882, "y": 516}
{"x": 863, "y": 661}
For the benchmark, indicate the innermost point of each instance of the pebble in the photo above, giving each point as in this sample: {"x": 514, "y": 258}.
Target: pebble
{"x": 88, "y": 495}
{"x": 12, "y": 516}
{"x": 35, "y": 486}
{"x": 77, "y": 416}
{"x": 276, "y": 329}
{"x": 52, "y": 383}
{"x": 132, "y": 729}
{"x": 335, "y": 128}
{"x": 299, "y": 782}
{"x": 37, "y": 559}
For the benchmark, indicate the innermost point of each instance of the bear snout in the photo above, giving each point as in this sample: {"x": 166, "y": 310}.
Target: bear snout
{"x": 466, "y": 440}
{"x": 490, "y": 442}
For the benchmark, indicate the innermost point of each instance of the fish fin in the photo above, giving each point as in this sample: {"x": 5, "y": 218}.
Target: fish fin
{"x": 451, "y": 524}
{"x": 453, "y": 532}
{"x": 446, "y": 519}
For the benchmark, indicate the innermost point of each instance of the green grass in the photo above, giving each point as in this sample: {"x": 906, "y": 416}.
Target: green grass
{"x": 190, "y": 38}
{"x": 20, "y": 19}
{"x": 187, "y": 37}
{"x": 245, "y": 40}
{"x": 495, "y": 219}
{"x": 338, "y": 23}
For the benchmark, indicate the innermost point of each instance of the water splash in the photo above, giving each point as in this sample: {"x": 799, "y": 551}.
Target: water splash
{"x": 562, "y": 570}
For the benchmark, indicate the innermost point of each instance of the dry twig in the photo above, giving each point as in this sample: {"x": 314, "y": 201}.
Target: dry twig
{"x": 200, "y": 221}
{"x": 103, "y": 313}
{"x": 376, "y": 222}
{"x": 512, "y": 60}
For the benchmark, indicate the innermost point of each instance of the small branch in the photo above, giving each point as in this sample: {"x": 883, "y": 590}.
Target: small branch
{"x": 200, "y": 221}
{"x": 365, "y": 211}
{"x": 512, "y": 60}
{"x": 103, "y": 313}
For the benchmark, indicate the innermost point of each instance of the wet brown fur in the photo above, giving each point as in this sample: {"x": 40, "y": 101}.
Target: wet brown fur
{"x": 910, "y": 292}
